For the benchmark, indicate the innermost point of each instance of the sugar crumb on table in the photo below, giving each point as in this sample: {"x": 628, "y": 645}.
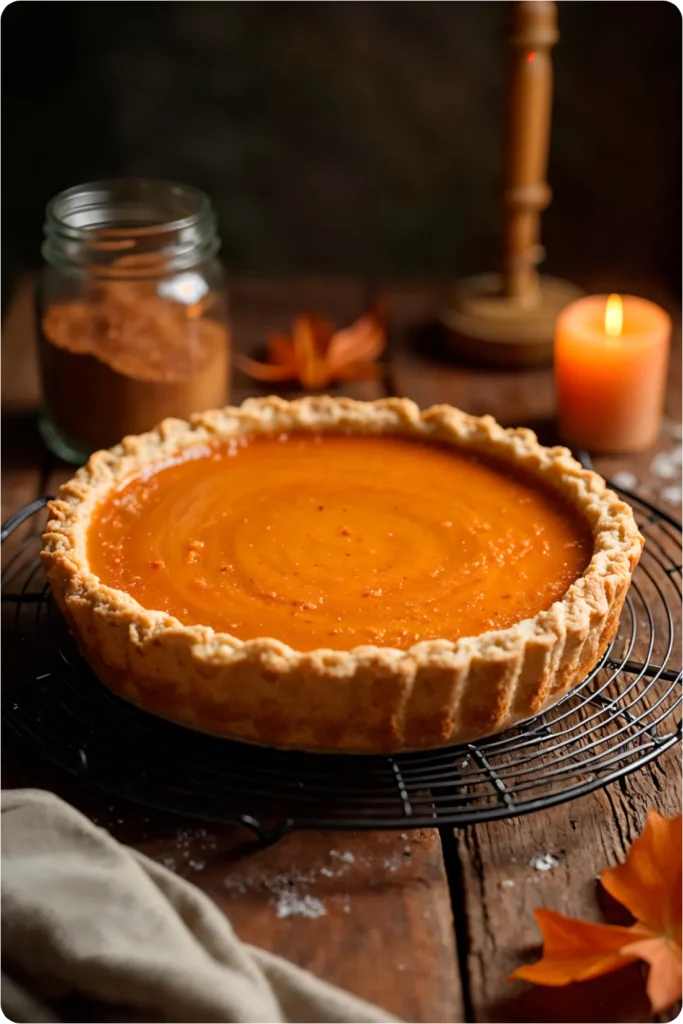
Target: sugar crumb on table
{"x": 543, "y": 862}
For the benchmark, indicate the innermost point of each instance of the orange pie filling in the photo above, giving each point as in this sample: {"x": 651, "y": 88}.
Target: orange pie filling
{"x": 337, "y": 541}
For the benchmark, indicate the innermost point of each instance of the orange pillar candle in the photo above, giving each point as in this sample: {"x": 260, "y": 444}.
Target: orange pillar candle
{"x": 611, "y": 357}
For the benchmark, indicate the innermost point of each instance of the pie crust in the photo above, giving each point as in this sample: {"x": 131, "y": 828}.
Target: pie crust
{"x": 364, "y": 700}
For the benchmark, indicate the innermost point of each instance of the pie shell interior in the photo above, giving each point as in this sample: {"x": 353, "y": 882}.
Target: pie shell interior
{"x": 367, "y": 699}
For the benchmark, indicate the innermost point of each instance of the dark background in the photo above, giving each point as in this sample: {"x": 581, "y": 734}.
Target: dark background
{"x": 347, "y": 136}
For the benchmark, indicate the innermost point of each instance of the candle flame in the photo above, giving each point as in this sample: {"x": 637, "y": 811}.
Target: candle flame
{"x": 614, "y": 316}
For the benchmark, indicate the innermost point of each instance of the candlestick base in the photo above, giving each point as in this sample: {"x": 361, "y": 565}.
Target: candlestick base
{"x": 484, "y": 324}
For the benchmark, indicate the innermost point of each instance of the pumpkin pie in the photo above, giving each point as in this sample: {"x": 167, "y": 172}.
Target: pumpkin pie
{"x": 334, "y": 575}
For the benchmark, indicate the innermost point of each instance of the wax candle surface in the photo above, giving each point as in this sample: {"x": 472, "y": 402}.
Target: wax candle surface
{"x": 610, "y": 372}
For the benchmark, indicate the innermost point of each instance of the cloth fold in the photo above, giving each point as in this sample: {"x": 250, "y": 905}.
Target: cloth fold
{"x": 83, "y": 915}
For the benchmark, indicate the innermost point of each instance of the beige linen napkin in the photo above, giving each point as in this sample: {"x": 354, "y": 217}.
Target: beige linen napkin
{"x": 83, "y": 915}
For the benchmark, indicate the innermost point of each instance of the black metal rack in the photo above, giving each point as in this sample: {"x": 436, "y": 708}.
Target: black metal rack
{"x": 621, "y": 717}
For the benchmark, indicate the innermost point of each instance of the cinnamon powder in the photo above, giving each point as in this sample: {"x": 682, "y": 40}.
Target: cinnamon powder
{"x": 123, "y": 358}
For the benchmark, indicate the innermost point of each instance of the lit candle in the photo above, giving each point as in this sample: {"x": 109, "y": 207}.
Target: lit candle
{"x": 611, "y": 357}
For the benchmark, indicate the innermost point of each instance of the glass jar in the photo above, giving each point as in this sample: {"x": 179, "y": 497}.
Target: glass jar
{"x": 132, "y": 313}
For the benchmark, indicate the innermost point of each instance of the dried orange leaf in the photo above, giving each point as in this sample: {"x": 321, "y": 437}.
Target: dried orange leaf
{"x": 311, "y": 372}
{"x": 322, "y": 331}
{"x": 361, "y": 342}
{"x": 575, "y": 950}
{"x": 648, "y": 883}
{"x": 664, "y": 981}
{"x": 265, "y": 371}
{"x": 316, "y": 356}
{"x": 280, "y": 350}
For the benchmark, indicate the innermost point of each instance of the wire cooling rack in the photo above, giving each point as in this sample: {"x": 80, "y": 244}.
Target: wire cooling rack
{"x": 621, "y": 717}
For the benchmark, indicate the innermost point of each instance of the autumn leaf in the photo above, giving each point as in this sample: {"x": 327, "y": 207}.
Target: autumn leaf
{"x": 664, "y": 976}
{"x": 575, "y": 950}
{"x": 363, "y": 342}
{"x": 315, "y": 354}
{"x": 648, "y": 884}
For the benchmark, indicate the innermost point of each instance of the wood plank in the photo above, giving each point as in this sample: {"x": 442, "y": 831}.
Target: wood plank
{"x": 495, "y": 869}
{"x": 367, "y": 911}
{"x": 552, "y": 860}
{"x": 502, "y": 884}
{"x": 385, "y": 931}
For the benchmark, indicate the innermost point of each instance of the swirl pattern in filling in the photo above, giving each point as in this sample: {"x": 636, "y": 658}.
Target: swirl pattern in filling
{"x": 336, "y": 541}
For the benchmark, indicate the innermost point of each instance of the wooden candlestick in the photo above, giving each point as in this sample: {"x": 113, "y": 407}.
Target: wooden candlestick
{"x": 510, "y": 317}
{"x": 533, "y": 31}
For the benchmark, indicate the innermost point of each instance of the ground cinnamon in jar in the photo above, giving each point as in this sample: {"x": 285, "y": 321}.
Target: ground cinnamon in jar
{"x": 133, "y": 324}
{"x": 122, "y": 359}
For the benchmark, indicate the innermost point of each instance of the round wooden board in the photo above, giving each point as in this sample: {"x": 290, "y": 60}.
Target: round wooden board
{"x": 483, "y": 324}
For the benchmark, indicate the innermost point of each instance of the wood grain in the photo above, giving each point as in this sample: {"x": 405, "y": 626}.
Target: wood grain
{"x": 368, "y": 911}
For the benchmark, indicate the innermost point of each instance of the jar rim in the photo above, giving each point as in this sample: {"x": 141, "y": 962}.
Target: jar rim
{"x": 144, "y": 193}
{"x": 129, "y": 227}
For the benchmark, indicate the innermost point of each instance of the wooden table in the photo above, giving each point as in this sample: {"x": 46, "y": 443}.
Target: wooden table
{"x": 428, "y": 925}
